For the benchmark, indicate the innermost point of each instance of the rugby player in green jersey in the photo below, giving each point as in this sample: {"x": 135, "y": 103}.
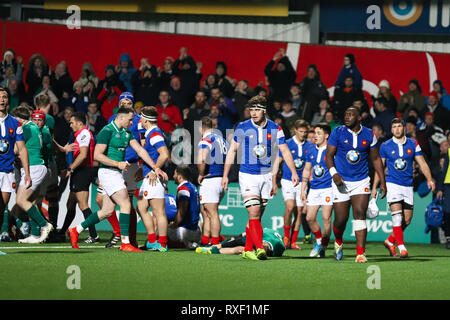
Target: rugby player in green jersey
{"x": 26, "y": 195}
{"x": 110, "y": 153}
{"x": 272, "y": 243}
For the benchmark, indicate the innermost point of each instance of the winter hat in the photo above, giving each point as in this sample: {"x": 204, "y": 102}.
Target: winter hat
{"x": 8, "y": 52}
{"x": 110, "y": 66}
{"x": 124, "y": 57}
{"x": 351, "y": 57}
{"x": 433, "y": 94}
{"x": 384, "y": 83}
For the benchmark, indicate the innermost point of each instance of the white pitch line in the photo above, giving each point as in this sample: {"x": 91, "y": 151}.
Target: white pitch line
{"x": 55, "y": 247}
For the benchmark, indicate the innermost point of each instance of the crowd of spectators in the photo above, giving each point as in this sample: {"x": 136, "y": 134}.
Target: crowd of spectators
{"x": 181, "y": 96}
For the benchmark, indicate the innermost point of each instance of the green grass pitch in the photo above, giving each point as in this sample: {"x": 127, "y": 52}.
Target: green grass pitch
{"x": 41, "y": 273}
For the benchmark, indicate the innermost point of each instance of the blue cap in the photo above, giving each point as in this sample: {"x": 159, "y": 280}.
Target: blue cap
{"x": 423, "y": 189}
{"x": 126, "y": 95}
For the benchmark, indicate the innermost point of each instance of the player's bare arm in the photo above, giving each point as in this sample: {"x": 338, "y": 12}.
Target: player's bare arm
{"x": 378, "y": 165}
{"x": 331, "y": 152}
{"x": 287, "y": 156}
{"x": 305, "y": 178}
{"x": 275, "y": 168}
{"x": 228, "y": 162}
{"x": 201, "y": 164}
{"x": 23, "y": 155}
{"x": 183, "y": 207}
{"x": 376, "y": 180}
{"x": 99, "y": 155}
{"x": 426, "y": 171}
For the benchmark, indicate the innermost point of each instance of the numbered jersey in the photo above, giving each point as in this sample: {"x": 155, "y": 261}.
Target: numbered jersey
{"x": 136, "y": 129}
{"x": 218, "y": 148}
{"x": 171, "y": 207}
{"x": 321, "y": 177}
{"x": 352, "y": 152}
{"x": 10, "y": 132}
{"x": 187, "y": 191}
{"x": 258, "y": 144}
{"x": 399, "y": 160}
{"x": 299, "y": 151}
{"x": 275, "y": 241}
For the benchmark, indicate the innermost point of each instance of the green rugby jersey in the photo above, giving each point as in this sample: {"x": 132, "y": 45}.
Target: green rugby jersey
{"x": 50, "y": 122}
{"x": 116, "y": 140}
{"x": 275, "y": 240}
{"x": 33, "y": 142}
{"x": 47, "y": 145}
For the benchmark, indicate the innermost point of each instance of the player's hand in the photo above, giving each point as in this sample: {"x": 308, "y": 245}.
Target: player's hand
{"x": 152, "y": 178}
{"x": 274, "y": 189}
{"x": 431, "y": 185}
{"x": 225, "y": 183}
{"x": 67, "y": 175}
{"x": 439, "y": 195}
{"x": 304, "y": 197}
{"x": 139, "y": 175}
{"x": 382, "y": 190}
{"x": 295, "y": 179}
{"x": 338, "y": 179}
{"x": 70, "y": 147}
{"x": 161, "y": 174}
{"x": 374, "y": 193}
{"x": 28, "y": 182}
{"x": 123, "y": 165}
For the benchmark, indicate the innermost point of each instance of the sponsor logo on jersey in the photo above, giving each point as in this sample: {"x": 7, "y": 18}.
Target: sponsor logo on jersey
{"x": 318, "y": 170}
{"x": 4, "y": 146}
{"x": 299, "y": 163}
{"x": 400, "y": 164}
{"x": 259, "y": 151}
{"x": 353, "y": 156}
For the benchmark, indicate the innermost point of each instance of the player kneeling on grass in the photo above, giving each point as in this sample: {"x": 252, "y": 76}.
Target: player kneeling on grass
{"x": 258, "y": 138}
{"x": 272, "y": 243}
{"x": 110, "y": 152}
{"x": 398, "y": 154}
{"x": 153, "y": 194}
{"x": 321, "y": 192}
{"x": 26, "y": 195}
{"x": 184, "y": 229}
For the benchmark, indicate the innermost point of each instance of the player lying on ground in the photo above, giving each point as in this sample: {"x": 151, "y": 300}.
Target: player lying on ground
{"x": 398, "y": 155}
{"x": 272, "y": 242}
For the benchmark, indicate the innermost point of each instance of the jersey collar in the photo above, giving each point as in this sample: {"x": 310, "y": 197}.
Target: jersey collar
{"x": 353, "y": 132}
{"x": 397, "y": 141}
{"x": 115, "y": 126}
{"x": 185, "y": 181}
{"x": 259, "y": 127}
{"x": 298, "y": 142}
{"x": 148, "y": 130}
{"x": 207, "y": 133}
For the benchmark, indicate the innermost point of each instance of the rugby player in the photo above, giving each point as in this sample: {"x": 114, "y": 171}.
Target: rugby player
{"x": 299, "y": 148}
{"x": 257, "y": 137}
{"x": 321, "y": 192}
{"x": 25, "y": 195}
{"x": 212, "y": 147}
{"x": 126, "y": 99}
{"x": 348, "y": 150}
{"x": 110, "y": 152}
{"x": 153, "y": 194}
{"x": 184, "y": 228}
{"x": 272, "y": 241}
{"x": 398, "y": 155}
{"x": 49, "y": 187}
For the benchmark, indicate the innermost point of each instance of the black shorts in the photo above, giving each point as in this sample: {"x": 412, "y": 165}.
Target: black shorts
{"x": 238, "y": 241}
{"x": 82, "y": 178}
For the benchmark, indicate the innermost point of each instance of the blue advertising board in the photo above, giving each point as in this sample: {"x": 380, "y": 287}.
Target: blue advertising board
{"x": 386, "y": 16}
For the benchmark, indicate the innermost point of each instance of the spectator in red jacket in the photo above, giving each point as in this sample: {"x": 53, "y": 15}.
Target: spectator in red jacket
{"x": 109, "y": 99}
{"x": 169, "y": 116}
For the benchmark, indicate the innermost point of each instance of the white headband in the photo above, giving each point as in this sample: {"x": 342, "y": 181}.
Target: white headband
{"x": 149, "y": 118}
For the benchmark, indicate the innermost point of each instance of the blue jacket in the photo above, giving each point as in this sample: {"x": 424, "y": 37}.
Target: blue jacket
{"x": 351, "y": 70}
{"x": 126, "y": 78}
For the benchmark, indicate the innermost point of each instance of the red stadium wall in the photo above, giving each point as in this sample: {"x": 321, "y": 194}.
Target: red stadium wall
{"x": 245, "y": 59}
